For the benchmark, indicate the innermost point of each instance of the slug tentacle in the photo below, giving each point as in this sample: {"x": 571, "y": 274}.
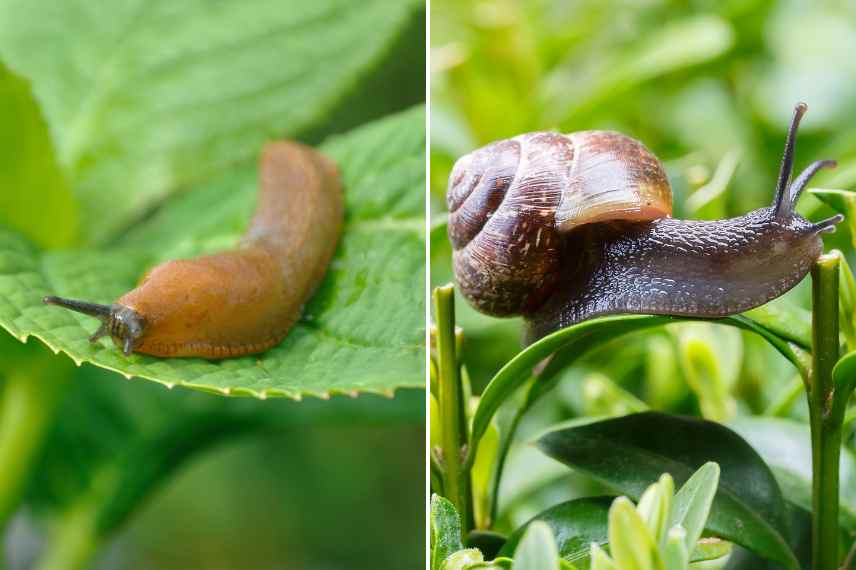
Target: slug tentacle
{"x": 123, "y": 324}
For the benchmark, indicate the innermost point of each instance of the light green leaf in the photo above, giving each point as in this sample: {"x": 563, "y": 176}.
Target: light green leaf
{"x": 600, "y": 560}
{"x": 537, "y": 549}
{"x": 445, "y": 531}
{"x": 35, "y": 199}
{"x": 463, "y": 559}
{"x": 630, "y": 542}
{"x": 150, "y": 97}
{"x": 655, "y": 505}
{"x": 675, "y": 554}
{"x": 363, "y": 329}
{"x": 693, "y": 501}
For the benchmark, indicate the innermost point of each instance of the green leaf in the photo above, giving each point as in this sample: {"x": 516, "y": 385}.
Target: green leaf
{"x": 569, "y": 344}
{"x": 630, "y": 542}
{"x": 842, "y": 201}
{"x": 844, "y": 377}
{"x": 675, "y": 554}
{"x": 35, "y": 199}
{"x": 693, "y": 501}
{"x": 537, "y": 549}
{"x": 626, "y": 453}
{"x": 785, "y": 445}
{"x": 463, "y": 559}
{"x": 139, "y": 104}
{"x": 445, "y": 531}
{"x": 363, "y": 331}
{"x": 576, "y": 525}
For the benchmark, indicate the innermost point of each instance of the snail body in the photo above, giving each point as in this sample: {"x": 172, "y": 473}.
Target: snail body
{"x": 562, "y": 228}
{"x": 246, "y": 300}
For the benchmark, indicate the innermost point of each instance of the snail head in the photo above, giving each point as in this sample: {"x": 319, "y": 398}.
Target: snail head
{"x": 123, "y": 324}
{"x": 785, "y": 201}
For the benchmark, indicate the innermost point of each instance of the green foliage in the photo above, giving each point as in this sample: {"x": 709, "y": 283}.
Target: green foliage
{"x": 372, "y": 286}
{"x": 131, "y": 135}
{"x": 709, "y": 87}
{"x": 749, "y": 509}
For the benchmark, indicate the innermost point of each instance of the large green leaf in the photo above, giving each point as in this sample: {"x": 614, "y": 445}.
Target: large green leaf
{"x": 150, "y": 97}
{"x": 362, "y": 331}
{"x": 569, "y": 344}
{"x": 785, "y": 445}
{"x": 628, "y": 453}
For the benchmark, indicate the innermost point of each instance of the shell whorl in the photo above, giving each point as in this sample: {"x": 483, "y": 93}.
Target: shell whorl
{"x": 509, "y": 203}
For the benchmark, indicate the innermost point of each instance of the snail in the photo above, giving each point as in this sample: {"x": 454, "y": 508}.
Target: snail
{"x": 562, "y": 228}
{"x": 242, "y": 301}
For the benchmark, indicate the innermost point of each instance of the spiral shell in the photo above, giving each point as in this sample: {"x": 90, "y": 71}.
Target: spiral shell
{"x": 511, "y": 201}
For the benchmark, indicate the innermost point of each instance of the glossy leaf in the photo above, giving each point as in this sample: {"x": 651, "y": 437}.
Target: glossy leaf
{"x": 785, "y": 445}
{"x": 626, "y": 453}
{"x": 576, "y": 525}
{"x": 693, "y": 502}
{"x": 362, "y": 331}
{"x": 571, "y": 343}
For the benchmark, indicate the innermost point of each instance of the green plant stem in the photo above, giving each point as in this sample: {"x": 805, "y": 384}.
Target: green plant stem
{"x": 454, "y": 437}
{"x": 27, "y": 406}
{"x": 825, "y": 425}
{"x": 500, "y": 460}
{"x": 73, "y": 541}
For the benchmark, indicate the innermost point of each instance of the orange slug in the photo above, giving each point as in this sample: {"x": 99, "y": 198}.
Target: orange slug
{"x": 242, "y": 301}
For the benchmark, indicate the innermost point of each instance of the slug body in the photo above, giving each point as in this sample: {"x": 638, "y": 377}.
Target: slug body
{"x": 242, "y": 301}
{"x": 563, "y": 228}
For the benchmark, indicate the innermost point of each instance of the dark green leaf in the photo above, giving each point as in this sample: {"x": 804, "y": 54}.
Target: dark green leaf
{"x": 628, "y": 453}
{"x": 785, "y": 445}
{"x": 571, "y": 343}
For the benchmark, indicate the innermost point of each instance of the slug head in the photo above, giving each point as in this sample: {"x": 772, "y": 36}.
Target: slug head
{"x": 124, "y": 325}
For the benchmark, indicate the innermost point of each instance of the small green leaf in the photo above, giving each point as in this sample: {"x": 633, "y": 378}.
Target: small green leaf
{"x": 693, "y": 502}
{"x": 630, "y": 542}
{"x": 675, "y": 553}
{"x": 445, "y": 531}
{"x": 600, "y": 560}
{"x": 626, "y": 453}
{"x": 463, "y": 559}
{"x": 842, "y": 201}
{"x": 537, "y": 550}
{"x": 576, "y": 524}
{"x": 655, "y": 506}
{"x": 363, "y": 331}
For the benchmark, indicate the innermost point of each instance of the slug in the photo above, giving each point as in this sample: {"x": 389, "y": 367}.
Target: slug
{"x": 562, "y": 228}
{"x": 246, "y": 300}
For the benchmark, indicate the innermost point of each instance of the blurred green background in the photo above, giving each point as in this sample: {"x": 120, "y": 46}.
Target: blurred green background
{"x": 710, "y": 87}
